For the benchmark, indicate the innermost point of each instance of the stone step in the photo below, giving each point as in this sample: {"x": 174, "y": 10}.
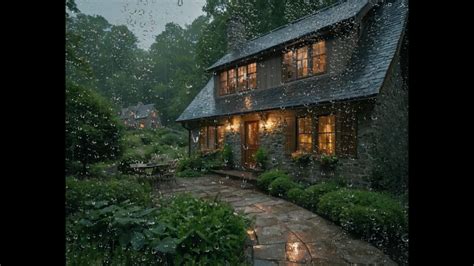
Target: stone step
{"x": 250, "y": 177}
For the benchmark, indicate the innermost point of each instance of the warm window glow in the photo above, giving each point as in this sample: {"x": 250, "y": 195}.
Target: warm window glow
{"x": 252, "y": 76}
{"x": 232, "y": 80}
{"x": 238, "y": 79}
{"x": 302, "y": 62}
{"x": 242, "y": 79}
{"x": 319, "y": 57}
{"x": 220, "y": 136}
{"x": 203, "y": 138}
{"x": 211, "y": 137}
{"x": 327, "y": 134}
{"x": 288, "y": 71}
{"x": 296, "y": 64}
{"x": 224, "y": 88}
{"x": 304, "y": 134}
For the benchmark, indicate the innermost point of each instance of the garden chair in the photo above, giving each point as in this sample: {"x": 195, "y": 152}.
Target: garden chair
{"x": 167, "y": 175}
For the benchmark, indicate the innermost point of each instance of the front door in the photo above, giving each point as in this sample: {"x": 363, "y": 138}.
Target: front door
{"x": 250, "y": 146}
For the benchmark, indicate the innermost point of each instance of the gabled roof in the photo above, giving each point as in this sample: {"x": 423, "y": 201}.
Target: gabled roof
{"x": 295, "y": 30}
{"x": 362, "y": 78}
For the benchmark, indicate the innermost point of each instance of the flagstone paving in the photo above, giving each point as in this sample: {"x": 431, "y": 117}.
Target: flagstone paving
{"x": 282, "y": 232}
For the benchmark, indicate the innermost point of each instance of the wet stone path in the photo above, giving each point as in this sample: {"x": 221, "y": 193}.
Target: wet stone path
{"x": 283, "y": 233}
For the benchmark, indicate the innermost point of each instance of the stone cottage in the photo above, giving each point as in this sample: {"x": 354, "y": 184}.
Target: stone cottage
{"x": 332, "y": 83}
{"x": 140, "y": 116}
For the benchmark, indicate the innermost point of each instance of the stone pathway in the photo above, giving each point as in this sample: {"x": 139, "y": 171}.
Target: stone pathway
{"x": 283, "y": 233}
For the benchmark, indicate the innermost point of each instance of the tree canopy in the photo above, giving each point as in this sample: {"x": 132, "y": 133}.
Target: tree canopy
{"x": 105, "y": 57}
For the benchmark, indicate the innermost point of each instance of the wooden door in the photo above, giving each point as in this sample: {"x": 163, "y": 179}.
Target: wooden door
{"x": 250, "y": 143}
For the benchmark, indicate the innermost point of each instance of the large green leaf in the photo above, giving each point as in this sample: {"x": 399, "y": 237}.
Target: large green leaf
{"x": 137, "y": 241}
{"x": 167, "y": 245}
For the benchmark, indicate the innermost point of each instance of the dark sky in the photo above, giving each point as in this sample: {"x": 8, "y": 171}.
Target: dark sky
{"x": 145, "y": 18}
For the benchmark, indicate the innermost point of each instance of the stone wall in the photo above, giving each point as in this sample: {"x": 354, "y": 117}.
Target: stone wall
{"x": 382, "y": 136}
{"x": 390, "y": 126}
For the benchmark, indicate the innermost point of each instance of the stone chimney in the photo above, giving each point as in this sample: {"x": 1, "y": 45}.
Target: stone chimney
{"x": 235, "y": 32}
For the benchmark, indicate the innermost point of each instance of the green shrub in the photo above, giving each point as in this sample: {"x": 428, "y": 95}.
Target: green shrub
{"x": 261, "y": 158}
{"x": 183, "y": 231}
{"x": 315, "y": 192}
{"x": 368, "y": 214}
{"x": 280, "y": 186}
{"x": 328, "y": 162}
{"x": 265, "y": 179}
{"x": 191, "y": 163}
{"x": 169, "y": 139}
{"x": 100, "y": 170}
{"x": 81, "y": 194}
{"x": 211, "y": 233}
{"x": 298, "y": 196}
{"x": 199, "y": 163}
{"x": 189, "y": 173}
{"x": 302, "y": 158}
{"x": 227, "y": 156}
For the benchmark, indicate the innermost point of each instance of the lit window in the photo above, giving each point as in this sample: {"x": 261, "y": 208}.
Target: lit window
{"x": 304, "y": 134}
{"x": 242, "y": 79}
{"x": 288, "y": 70}
{"x": 252, "y": 75}
{"x": 327, "y": 134}
{"x": 302, "y": 62}
{"x": 319, "y": 57}
{"x": 220, "y": 136}
{"x": 232, "y": 81}
{"x": 211, "y": 137}
{"x": 203, "y": 138}
{"x": 142, "y": 125}
{"x": 224, "y": 88}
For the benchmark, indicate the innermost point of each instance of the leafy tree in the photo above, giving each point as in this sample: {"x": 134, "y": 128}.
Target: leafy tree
{"x": 92, "y": 129}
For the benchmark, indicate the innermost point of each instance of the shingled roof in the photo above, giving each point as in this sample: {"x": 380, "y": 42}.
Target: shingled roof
{"x": 362, "y": 78}
{"x": 297, "y": 29}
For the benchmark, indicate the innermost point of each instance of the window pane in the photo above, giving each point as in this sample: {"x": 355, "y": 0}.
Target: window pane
{"x": 253, "y": 81}
{"x": 252, "y": 68}
{"x": 319, "y": 57}
{"x": 242, "y": 79}
{"x": 211, "y": 138}
{"x": 288, "y": 65}
{"x": 223, "y": 83}
{"x": 232, "y": 80}
{"x": 302, "y": 61}
{"x": 304, "y": 134}
{"x": 327, "y": 134}
{"x": 203, "y": 138}
{"x": 252, "y": 75}
{"x": 220, "y": 137}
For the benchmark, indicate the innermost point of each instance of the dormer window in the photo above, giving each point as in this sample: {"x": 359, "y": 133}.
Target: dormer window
{"x": 319, "y": 57}
{"x": 232, "y": 80}
{"x": 297, "y": 63}
{"x": 238, "y": 79}
{"x": 302, "y": 62}
{"x": 224, "y": 86}
{"x": 252, "y": 75}
{"x": 242, "y": 71}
